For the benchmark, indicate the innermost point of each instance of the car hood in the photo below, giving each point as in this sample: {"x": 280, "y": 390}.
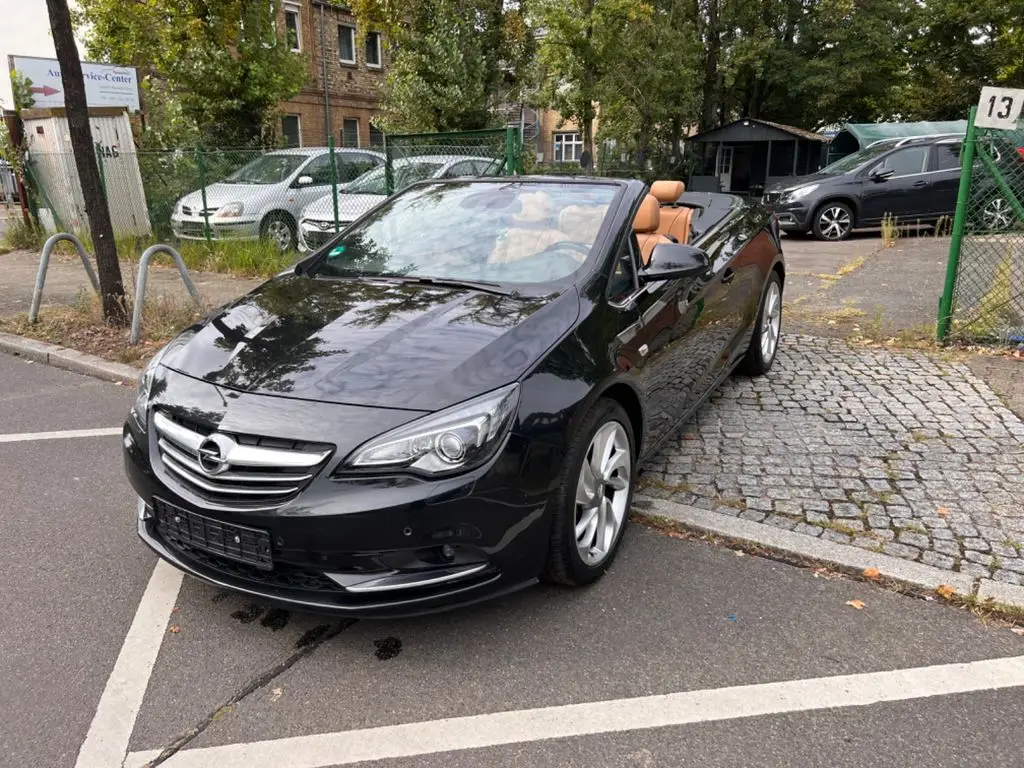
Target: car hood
{"x": 221, "y": 194}
{"x": 372, "y": 343}
{"x": 350, "y": 207}
{"x": 800, "y": 181}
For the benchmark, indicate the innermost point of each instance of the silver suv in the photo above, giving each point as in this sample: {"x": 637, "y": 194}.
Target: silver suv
{"x": 263, "y": 198}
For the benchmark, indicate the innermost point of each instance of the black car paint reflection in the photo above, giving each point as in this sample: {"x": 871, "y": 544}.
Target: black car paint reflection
{"x": 340, "y": 361}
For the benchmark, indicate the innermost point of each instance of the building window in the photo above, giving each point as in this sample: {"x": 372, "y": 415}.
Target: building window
{"x": 568, "y": 147}
{"x": 290, "y": 131}
{"x": 376, "y": 136}
{"x": 292, "y": 28}
{"x": 373, "y": 49}
{"x": 350, "y": 132}
{"x": 346, "y": 44}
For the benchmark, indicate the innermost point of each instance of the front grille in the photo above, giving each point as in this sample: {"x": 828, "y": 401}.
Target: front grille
{"x": 234, "y": 542}
{"x": 187, "y": 210}
{"x": 235, "y": 471}
{"x": 771, "y": 197}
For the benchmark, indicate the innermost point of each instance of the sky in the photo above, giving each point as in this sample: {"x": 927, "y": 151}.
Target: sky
{"x": 24, "y": 30}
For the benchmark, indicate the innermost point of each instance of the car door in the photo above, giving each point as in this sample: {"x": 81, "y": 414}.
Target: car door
{"x": 352, "y": 165}
{"x": 458, "y": 170}
{"x": 897, "y": 185}
{"x": 318, "y": 170}
{"x": 945, "y": 170}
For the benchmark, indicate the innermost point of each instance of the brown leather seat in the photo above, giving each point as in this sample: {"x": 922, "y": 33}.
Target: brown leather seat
{"x": 645, "y": 225}
{"x": 675, "y": 218}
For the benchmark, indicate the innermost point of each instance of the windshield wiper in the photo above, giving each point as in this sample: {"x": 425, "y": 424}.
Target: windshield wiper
{"x": 484, "y": 286}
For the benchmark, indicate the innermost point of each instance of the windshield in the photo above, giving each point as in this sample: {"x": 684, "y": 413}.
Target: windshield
{"x": 857, "y": 159}
{"x": 491, "y": 232}
{"x": 267, "y": 169}
{"x": 375, "y": 183}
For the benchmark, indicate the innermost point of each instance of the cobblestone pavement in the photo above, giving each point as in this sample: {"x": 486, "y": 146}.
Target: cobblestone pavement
{"x": 895, "y": 452}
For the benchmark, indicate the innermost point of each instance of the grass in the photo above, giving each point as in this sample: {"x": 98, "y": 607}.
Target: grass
{"x": 80, "y": 326}
{"x": 851, "y": 266}
{"x": 1012, "y": 543}
{"x": 21, "y": 236}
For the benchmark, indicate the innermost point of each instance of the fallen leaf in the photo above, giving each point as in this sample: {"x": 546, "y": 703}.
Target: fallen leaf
{"x": 858, "y": 604}
{"x": 942, "y": 511}
{"x": 275, "y": 694}
{"x": 946, "y": 591}
{"x": 739, "y": 553}
{"x": 872, "y": 573}
{"x": 174, "y": 630}
{"x": 1017, "y": 631}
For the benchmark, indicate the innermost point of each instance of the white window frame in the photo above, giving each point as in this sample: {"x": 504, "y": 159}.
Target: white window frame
{"x": 293, "y": 8}
{"x": 298, "y": 124}
{"x": 562, "y": 140}
{"x": 376, "y": 36}
{"x": 359, "y": 142}
{"x": 352, "y": 36}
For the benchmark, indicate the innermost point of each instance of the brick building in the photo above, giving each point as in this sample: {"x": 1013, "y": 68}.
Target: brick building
{"x": 327, "y": 34}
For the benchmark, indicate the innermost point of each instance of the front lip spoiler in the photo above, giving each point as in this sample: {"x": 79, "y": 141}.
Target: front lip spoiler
{"x": 397, "y": 608}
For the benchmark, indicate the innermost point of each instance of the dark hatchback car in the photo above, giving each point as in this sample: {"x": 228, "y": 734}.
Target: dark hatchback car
{"x": 453, "y": 397}
{"x": 912, "y": 180}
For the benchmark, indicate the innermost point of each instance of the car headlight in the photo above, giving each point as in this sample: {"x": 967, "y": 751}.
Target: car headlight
{"x": 145, "y": 387}
{"x": 800, "y": 192}
{"x": 456, "y": 438}
{"x": 177, "y": 208}
{"x": 230, "y": 211}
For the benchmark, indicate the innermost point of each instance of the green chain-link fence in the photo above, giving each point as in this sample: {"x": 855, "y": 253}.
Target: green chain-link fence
{"x": 984, "y": 293}
{"x": 289, "y": 198}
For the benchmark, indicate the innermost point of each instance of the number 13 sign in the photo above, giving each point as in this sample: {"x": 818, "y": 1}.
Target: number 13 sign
{"x": 999, "y": 108}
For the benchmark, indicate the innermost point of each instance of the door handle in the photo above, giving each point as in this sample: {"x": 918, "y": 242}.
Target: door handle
{"x": 728, "y": 275}
{"x": 920, "y": 183}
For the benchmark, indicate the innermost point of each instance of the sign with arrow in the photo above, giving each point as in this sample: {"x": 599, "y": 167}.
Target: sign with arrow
{"x": 105, "y": 85}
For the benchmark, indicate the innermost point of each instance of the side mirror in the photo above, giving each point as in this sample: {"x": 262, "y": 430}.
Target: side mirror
{"x": 881, "y": 174}
{"x": 672, "y": 261}
{"x": 303, "y": 181}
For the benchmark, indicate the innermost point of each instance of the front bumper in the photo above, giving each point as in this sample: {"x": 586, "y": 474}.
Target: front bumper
{"x": 793, "y": 216}
{"x": 194, "y": 228}
{"x": 314, "y": 234}
{"x": 375, "y": 547}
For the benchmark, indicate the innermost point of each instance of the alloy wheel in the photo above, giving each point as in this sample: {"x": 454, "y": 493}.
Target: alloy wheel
{"x": 280, "y": 234}
{"x": 834, "y": 222}
{"x": 602, "y": 493}
{"x": 997, "y": 214}
{"x": 771, "y": 322}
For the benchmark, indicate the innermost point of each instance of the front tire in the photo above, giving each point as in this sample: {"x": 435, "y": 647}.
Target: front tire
{"x": 833, "y": 222}
{"x": 592, "y": 503}
{"x": 279, "y": 229}
{"x": 764, "y": 343}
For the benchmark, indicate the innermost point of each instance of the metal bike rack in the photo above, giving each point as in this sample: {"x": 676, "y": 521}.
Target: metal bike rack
{"x": 44, "y": 264}
{"x": 140, "y": 286}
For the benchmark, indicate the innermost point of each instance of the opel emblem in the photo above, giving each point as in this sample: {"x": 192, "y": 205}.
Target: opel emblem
{"x": 213, "y": 454}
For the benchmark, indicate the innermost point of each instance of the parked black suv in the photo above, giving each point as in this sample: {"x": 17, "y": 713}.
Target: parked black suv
{"x": 912, "y": 180}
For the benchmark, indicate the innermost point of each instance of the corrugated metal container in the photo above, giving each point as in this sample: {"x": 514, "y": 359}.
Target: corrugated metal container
{"x": 51, "y": 164}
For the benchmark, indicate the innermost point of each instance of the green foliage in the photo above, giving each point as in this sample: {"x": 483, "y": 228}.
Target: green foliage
{"x": 20, "y": 236}
{"x": 453, "y": 62}
{"x": 223, "y": 67}
{"x": 20, "y": 85}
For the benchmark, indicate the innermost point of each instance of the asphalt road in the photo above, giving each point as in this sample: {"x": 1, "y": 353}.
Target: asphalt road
{"x": 676, "y": 620}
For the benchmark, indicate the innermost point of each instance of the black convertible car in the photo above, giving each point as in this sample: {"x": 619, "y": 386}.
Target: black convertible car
{"x": 454, "y": 397}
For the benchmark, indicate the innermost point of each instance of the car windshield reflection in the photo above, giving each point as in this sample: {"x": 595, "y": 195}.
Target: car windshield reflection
{"x": 501, "y": 233}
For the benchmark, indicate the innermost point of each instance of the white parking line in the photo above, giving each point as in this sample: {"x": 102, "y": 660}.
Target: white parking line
{"x": 410, "y": 739}
{"x": 106, "y": 743}
{"x": 64, "y": 434}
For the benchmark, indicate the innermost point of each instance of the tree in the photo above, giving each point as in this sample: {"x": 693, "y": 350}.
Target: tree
{"x": 107, "y": 267}
{"x": 454, "y": 63}
{"x": 226, "y": 63}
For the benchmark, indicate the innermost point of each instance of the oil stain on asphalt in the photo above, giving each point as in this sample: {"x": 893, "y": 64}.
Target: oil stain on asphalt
{"x": 387, "y": 648}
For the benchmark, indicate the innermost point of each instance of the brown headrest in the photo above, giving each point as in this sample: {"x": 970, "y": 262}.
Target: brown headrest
{"x": 667, "y": 191}
{"x": 647, "y": 218}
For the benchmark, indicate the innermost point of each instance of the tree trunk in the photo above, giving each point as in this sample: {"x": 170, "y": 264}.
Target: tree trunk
{"x": 108, "y": 269}
{"x": 709, "y": 101}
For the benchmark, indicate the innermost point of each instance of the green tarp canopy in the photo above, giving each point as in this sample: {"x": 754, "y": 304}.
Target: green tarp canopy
{"x": 854, "y": 136}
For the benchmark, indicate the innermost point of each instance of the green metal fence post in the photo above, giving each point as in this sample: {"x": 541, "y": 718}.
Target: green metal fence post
{"x": 334, "y": 181}
{"x": 510, "y": 150}
{"x": 202, "y": 192}
{"x": 389, "y": 170}
{"x": 957, "y": 238}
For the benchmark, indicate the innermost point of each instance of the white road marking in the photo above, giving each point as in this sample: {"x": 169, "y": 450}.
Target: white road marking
{"x": 106, "y": 743}
{"x": 20, "y": 437}
{"x": 528, "y": 725}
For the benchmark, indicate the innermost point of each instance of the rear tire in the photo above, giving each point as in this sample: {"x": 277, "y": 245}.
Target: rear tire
{"x": 764, "y": 343}
{"x": 279, "y": 229}
{"x": 833, "y": 222}
{"x": 591, "y": 505}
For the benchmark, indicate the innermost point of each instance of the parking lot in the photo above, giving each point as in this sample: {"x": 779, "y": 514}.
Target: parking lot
{"x": 685, "y": 654}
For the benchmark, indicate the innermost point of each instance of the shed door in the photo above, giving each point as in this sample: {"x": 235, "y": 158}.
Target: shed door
{"x": 725, "y": 168}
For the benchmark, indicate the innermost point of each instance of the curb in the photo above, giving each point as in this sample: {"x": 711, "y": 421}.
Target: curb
{"x": 68, "y": 359}
{"x": 842, "y": 557}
